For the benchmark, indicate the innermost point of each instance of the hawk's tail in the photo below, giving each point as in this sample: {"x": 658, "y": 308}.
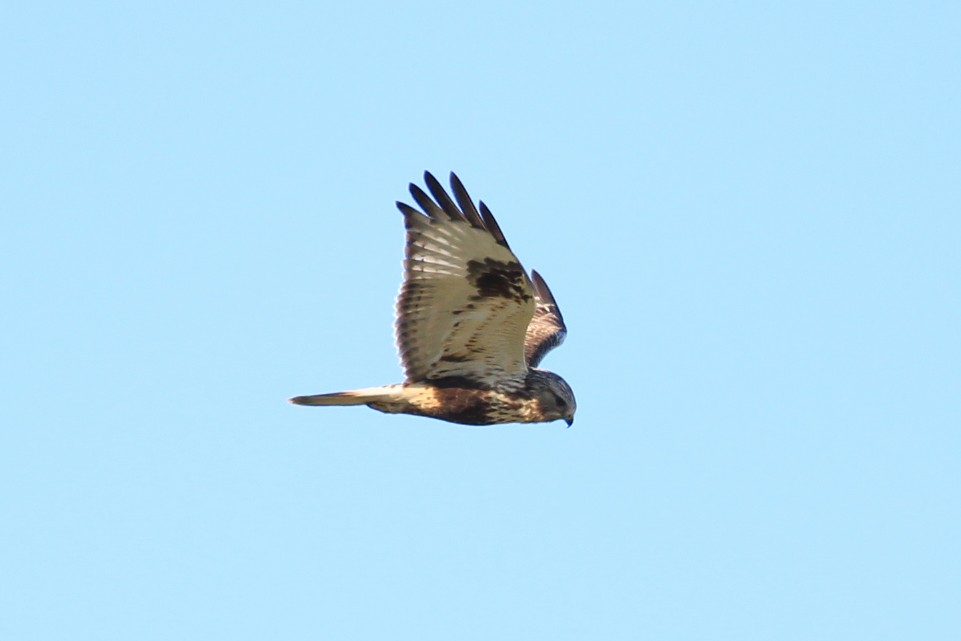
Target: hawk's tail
{"x": 354, "y": 397}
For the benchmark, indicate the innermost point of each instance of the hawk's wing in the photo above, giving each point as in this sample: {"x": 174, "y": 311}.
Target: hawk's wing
{"x": 546, "y": 330}
{"x": 466, "y": 302}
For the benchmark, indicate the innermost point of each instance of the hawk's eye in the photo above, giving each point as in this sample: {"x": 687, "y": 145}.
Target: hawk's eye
{"x": 561, "y": 403}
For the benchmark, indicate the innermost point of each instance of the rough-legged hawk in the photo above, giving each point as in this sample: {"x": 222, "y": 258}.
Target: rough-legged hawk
{"x": 471, "y": 325}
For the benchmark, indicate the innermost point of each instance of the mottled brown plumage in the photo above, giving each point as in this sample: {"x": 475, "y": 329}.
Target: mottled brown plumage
{"x": 471, "y": 325}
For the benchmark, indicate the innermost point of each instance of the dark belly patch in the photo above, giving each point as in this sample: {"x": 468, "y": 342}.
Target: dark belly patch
{"x": 470, "y": 407}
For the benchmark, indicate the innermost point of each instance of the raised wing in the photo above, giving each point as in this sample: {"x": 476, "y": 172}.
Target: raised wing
{"x": 547, "y": 329}
{"x": 466, "y": 302}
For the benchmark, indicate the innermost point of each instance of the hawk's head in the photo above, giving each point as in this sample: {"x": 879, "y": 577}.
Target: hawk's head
{"x": 553, "y": 394}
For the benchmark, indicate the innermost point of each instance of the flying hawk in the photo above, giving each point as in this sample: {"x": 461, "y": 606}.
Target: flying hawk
{"x": 471, "y": 325}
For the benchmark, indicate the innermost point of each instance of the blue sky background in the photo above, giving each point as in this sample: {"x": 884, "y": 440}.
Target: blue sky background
{"x": 750, "y": 213}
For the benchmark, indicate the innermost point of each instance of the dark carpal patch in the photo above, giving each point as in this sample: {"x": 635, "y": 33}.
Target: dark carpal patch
{"x": 497, "y": 279}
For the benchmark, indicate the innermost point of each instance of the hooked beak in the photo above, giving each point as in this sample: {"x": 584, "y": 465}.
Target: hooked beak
{"x": 569, "y": 421}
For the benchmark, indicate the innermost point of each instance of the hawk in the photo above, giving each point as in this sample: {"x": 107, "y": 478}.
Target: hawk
{"x": 471, "y": 326}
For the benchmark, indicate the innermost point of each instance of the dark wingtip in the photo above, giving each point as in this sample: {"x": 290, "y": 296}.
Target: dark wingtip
{"x": 541, "y": 289}
{"x": 443, "y": 199}
{"x": 466, "y": 204}
{"x": 491, "y": 224}
{"x": 406, "y": 209}
{"x": 416, "y": 192}
{"x": 445, "y": 207}
{"x": 429, "y": 206}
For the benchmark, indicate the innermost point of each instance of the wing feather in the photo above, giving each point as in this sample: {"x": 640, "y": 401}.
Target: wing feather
{"x": 547, "y": 329}
{"x": 492, "y": 225}
{"x": 466, "y": 204}
{"x": 466, "y": 301}
{"x": 437, "y": 191}
{"x": 428, "y": 205}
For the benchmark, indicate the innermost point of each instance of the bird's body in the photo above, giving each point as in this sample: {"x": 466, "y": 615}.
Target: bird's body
{"x": 471, "y": 325}
{"x": 454, "y": 401}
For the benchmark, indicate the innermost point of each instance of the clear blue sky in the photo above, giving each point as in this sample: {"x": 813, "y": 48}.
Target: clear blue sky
{"x": 750, "y": 213}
